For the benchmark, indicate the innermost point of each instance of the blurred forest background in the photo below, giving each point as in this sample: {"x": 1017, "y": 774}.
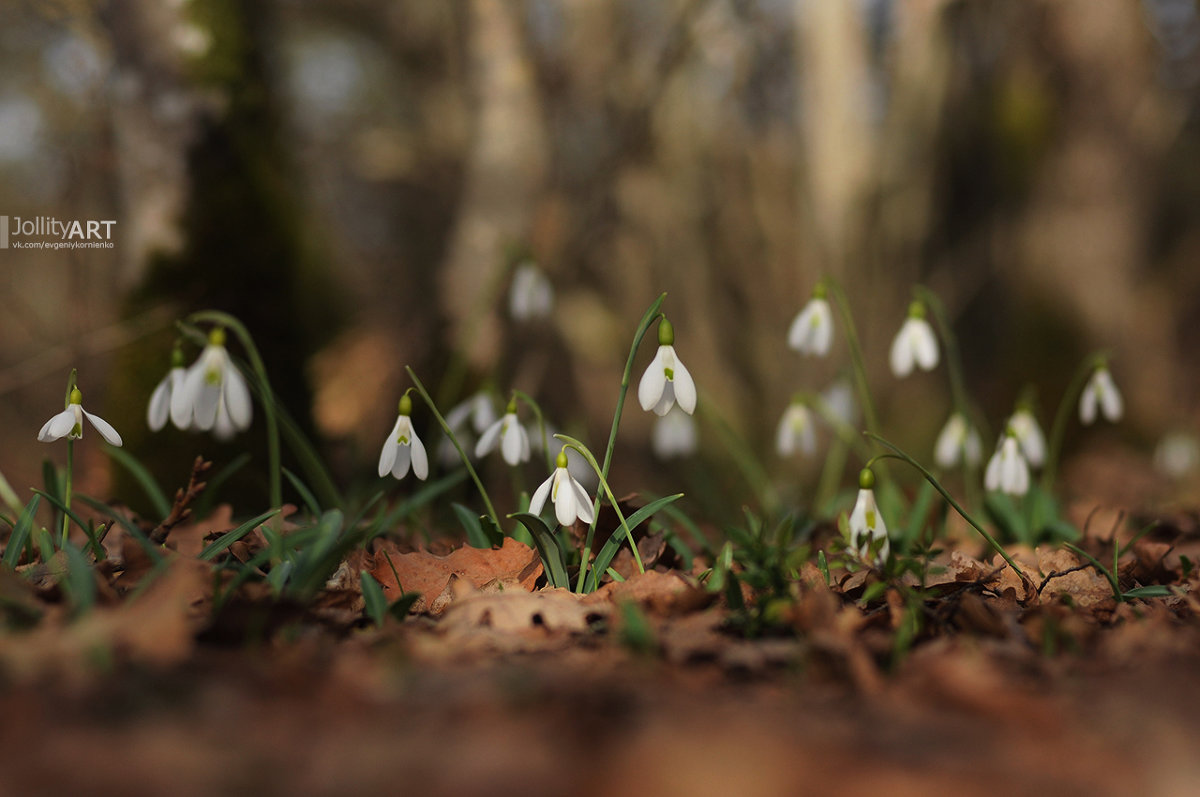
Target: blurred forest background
{"x": 357, "y": 178}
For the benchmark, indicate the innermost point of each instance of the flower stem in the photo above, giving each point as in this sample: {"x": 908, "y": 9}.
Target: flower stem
{"x": 67, "y": 490}
{"x": 958, "y": 391}
{"x": 643, "y": 325}
{"x": 583, "y": 451}
{"x": 1059, "y": 429}
{"x": 541, "y": 420}
{"x": 72, "y": 383}
{"x": 275, "y": 468}
{"x": 856, "y": 356}
{"x": 491, "y": 510}
{"x": 899, "y": 454}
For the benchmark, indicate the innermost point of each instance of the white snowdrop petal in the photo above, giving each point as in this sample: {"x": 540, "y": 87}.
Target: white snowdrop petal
{"x": 991, "y": 477}
{"x": 583, "y": 504}
{"x": 514, "y": 444}
{"x": 403, "y": 460}
{"x": 564, "y": 498}
{"x": 387, "y": 456}
{"x": 654, "y": 382}
{"x": 684, "y": 388}
{"x": 105, "y": 428}
{"x": 1087, "y": 404}
{"x": 237, "y": 398}
{"x": 159, "y": 408}
{"x": 487, "y": 441}
{"x": 223, "y": 428}
{"x": 57, "y": 427}
{"x": 420, "y": 462}
{"x": 538, "y": 502}
{"x": 901, "y": 356}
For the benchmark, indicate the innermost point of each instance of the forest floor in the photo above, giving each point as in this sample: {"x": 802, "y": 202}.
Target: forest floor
{"x": 495, "y": 686}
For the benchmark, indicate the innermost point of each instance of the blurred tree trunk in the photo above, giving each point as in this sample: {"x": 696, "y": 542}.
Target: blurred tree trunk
{"x": 505, "y": 170}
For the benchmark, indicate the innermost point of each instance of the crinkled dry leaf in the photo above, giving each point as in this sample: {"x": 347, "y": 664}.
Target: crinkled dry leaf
{"x": 662, "y": 593}
{"x": 1086, "y": 587}
{"x": 514, "y": 564}
{"x": 514, "y": 612}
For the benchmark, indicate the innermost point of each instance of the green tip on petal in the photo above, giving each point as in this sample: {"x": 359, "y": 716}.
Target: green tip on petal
{"x": 1010, "y": 432}
{"x": 561, "y": 460}
{"x": 916, "y": 309}
{"x": 216, "y": 336}
{"x": 866, "y": 479}
{"x": 405, "y": 405}
{"x": 666, "y": 333}
{"x": 76, "y": 396}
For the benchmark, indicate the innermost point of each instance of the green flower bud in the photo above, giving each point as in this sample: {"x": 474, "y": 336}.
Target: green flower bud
{"x": 405, "y": 405}
{"x": 216, "y": 336}
{"x": 866, "y": 479}
{"x": 76, "y": 396}
{"x": 666, "y": 333}
{"x": 561, "y": 460}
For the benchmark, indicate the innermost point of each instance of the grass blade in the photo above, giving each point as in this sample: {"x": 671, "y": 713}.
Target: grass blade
{"x": 162, "y": 507}
{"x": 547, "y": 548}
{"x": 230, "y": 537}
{"x": 20, "y": 533}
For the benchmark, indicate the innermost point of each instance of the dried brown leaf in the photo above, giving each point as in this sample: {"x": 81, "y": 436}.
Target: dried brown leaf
{"x": 514, "y": 564}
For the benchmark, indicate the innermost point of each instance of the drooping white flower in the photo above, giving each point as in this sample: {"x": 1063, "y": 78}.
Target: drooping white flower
{"x": 568, "y": 496}
{"x": 812, "y": 330}
{"x": 159, "y": 408}
{"x": 531, "y": 295}
{"x": 1177, "y": 454}
{"x": 666, "y": 380}
{"x": 958, "y": 443}
{"x": 674, "y": 435}
{"x": 69, "y": 423}
{"x": 1029, "y": 434}
{"x": 509, "y": 435}
{"x": 480, "y": 411}
{"x": 403, "y": 447}
{"x": 1006, "y": 470}
{"x": 840, "y": 404}
{"x": 914, "y": 344}
{"x": 212, "y": 380}
{"x": 868, "y": 532}
{"x": 1101, "y": 392}
{"x": 796, "y": 431}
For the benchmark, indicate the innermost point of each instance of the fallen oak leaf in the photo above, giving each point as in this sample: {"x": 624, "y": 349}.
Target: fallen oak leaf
{"x": 516, "y": 612}
{"x": 429, "y": 574}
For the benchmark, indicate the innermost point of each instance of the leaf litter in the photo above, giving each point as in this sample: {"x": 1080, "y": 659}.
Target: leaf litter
{"x": 494, "y": 683}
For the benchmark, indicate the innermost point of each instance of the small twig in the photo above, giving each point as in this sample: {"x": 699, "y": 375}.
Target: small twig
{"x": 184, "y": 496}
{"x": 1058, "y": 573}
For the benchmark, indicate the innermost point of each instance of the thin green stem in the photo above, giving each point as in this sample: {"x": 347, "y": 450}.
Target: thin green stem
{"x": 275, "y": 468}
{"x": 67, "y": 490}
{"x": 643, "y": 325}
{"x": 541, "y": 421}
{"x": 491, "y": 510}
{"x": 958, "y": 391}
{"x": 856, "y": 355}
{"x": 901, "y": 455}
{"x": 1059, "y": 429}
{"x": 612, "y": 499}
{"x": 743, "y": 456}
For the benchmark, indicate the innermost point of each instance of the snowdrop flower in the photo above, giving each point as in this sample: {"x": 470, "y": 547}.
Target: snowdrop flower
{"x": 403, "y": 447}
{"x": 1177, "y": 454}
{"x": 1101, "y": 391}
{"x": 666, "y": 380}
{"x": 69, "y": 423}
{"x": 868, "y": 533}
{"x": 839, "y": 403}
{"x": 480, "y": 411}
{"x": 958, "y": 442}
{"x": 674, "y": 435}
{"x": 812, "y": 330}
{"x": 509, "y": 434}
{"x": 796, "y": 432}
{"x": 210, "y": 382}
{"x": 531, "y": 295}
{"x": 915, "y": 343}
{"x": 1006, "y": 470}
{"x": 1029, "y": 434}
{"x": 569, "y": 498}
{"x": 160, "y": 400}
